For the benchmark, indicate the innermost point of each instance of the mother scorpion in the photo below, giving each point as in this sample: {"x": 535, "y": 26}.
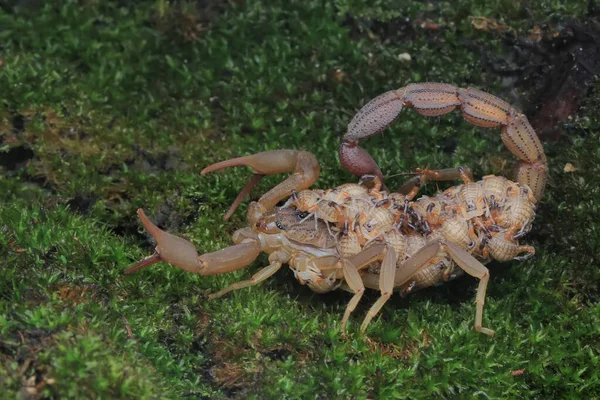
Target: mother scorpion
{"x": 359, "y": 236}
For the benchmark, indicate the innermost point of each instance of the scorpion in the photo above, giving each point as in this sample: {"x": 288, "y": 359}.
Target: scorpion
{"x": 361, "y": 235}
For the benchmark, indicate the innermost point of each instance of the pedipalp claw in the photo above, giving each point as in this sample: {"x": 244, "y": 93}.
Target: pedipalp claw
{"x": 302, "y": 164}
{"x": 169, "y": 248}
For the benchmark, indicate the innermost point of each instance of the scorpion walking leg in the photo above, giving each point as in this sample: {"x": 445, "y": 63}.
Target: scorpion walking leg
{"x": 276, "y": 259}
{"x": 464, "y": 260}
{"x": 354, "y": 282}
{"x": 390, "y": 276}
{"x": 476, "y": 269}
{"x": 182, "y": 254}
{"x": 386, "y": 285}
{"x": 303, "y": 164}
{"x": 411, "y": 186}
{"x": 418, "y": 260}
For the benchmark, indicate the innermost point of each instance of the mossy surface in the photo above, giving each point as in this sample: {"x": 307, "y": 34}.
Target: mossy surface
{"x": 109, "y": 106}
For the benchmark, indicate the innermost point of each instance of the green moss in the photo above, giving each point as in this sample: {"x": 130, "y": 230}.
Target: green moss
{"x": 106, "y": 108}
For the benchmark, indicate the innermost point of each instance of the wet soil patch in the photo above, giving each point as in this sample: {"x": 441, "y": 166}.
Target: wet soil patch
{"x": 555, "y": 67}
{"x": 386, "y": 31}
{"x": 189, "y": 21}
{"x": 18, "y": 123}
{"x": 81, "y": 204}
{"x": 16, "y": 158}
{"x": 22, "y": 348}
{"x": 168, "y": 160}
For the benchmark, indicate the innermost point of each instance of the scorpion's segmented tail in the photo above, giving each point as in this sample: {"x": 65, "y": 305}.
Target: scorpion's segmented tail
{"x": 436, "y": 99}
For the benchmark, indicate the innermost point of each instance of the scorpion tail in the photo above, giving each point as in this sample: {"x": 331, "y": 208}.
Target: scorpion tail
{"x": 435, "y": 99}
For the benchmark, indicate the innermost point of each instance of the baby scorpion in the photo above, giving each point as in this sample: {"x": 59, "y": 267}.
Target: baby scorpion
{"x": 359, "y": 236}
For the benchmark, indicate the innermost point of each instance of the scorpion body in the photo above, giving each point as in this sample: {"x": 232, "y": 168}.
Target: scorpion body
{"x": 359, "y": 236}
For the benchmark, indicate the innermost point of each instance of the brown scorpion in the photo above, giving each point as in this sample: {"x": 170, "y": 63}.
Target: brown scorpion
{"x": 359, "y": 236}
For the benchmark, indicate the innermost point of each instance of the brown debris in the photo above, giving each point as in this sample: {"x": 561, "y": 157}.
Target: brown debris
{"x": 72, "y": 294}
{"x": 487, "y": 24}
{"x": 228, "y": 374}
{"x": 429, "y": 25}
{"x": 338, "y": 75}
{"x": 22, "y": 348}
{"x": 569, "y": 168}
{"x": 397, "y": 352}
{"x": 10, "y": 140}
{"x": 225, "y": 372}
{"x": 536, "y": 34}
{"x": 188, "y": 21}
{"x": 127, "y": 327}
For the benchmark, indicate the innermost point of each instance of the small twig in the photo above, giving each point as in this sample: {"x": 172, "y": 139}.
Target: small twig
{"x": 22, "y": 338}
{"x": 127, "y": 327}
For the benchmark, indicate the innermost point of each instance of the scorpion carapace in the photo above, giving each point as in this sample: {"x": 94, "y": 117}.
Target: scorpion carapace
{"x": 359, "y": 236}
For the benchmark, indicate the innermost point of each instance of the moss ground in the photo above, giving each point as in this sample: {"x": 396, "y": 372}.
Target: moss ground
{"x": 107, "y": 106}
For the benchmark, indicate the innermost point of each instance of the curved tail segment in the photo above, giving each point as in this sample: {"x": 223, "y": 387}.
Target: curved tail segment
{"x": 435, "y": 99}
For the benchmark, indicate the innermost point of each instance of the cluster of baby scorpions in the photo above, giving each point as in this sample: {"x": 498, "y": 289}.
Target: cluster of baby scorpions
{"x": 359, "y": 236}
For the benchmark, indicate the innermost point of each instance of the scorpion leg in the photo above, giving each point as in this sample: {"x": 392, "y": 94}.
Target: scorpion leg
{"x": 386, "y": 279}
{"x": 423, "y": 175}
{"x": 386, "y": 285}
{"x": 407, "y": 269}
{"x": 467, "y": 263}
{"x": 276, "y": 260}
{"x": 410, "y": 266}
{"x": 303, "y": 164}
{"x": 356, "y": 286}
{"x": 352, "y": 278}
{"x": 182, "y": 254}
{"x": 464, "y": 260}
{"x": 390, "y": 276}
{"x": 476, "y": 269}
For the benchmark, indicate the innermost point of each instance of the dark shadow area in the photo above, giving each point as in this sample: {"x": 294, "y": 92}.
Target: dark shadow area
{"x": 16, "y": 158}
{"x": 556, "y": 69}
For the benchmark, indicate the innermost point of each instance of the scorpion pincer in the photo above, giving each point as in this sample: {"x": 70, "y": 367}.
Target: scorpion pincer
{"x": 359, "y": 236}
